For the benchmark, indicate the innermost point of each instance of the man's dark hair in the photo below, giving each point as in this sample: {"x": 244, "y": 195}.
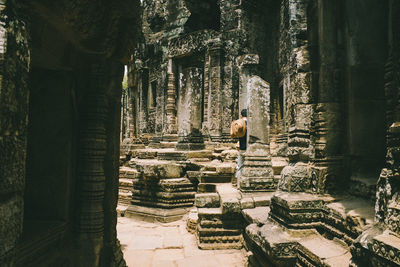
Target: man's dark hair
{"x": 243, "y": 112}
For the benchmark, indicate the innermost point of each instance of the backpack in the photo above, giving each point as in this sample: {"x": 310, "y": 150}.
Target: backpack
{"x": 238, "y": 128}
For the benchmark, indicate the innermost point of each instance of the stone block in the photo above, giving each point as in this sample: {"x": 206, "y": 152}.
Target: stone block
{"x": 230, "y": 205}
{"x": 296, "y": 178}
{"x": 207, "y": 188}
{"x": 247, "y": 203}
{"x": 207, "y": 200}
{"x": 159, "y": 169}
{"x": 257, "y": 215}
{"x": 226, "y": 169}
{"x": 229, "y": 155}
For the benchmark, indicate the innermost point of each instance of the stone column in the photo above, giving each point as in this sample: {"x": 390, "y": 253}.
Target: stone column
{"x": 189, "y": 118}
{"x": 14, "y": 51}
{"x": 247, "y": 67}
{"x": 329, "y": 170}
{"x": 206, "y": 96}
{"x": 143, "y": 99}
{"x": 257, "y": 173}
{"x": 378, "y": 244}
{"x": 171, "y": 128}
{"x": 297, "y": 85}
{"x": 131, "y": 113}
{"x": 387, "y": 206}
{"x": 215, "y": 104}
{"x": 89, "y": 214}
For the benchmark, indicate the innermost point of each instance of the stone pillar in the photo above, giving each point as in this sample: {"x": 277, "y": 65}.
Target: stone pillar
{"x": 171, "y": 128}
{"x": 296, "y": 177}
{"x": 14, "y": 51}
{"x": 257, "y": 173}
{"x": 91, "y": 177}
{"x": 379, "y": 244}
{"x": 112, "y": 253}
{"x": 387, "y": 206}
{"x": 206, "y": 97}
{"x": 215, "y": 114}
{"x": 329, "y": 170}
{"x": 190, "y": 108}
{"x": 130, "y": 113}
{"x": 143, "y": 100}
{"x": 247, "y": 67}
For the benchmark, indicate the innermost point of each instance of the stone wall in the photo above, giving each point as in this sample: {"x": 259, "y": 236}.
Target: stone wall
{"x": 170, "y": 43}
{"x": 14, "y": 93}
{"x": 60, "y": 105}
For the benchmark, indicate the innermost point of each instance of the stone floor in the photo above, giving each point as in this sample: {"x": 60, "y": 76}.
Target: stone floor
{"x": 146, "y": 242}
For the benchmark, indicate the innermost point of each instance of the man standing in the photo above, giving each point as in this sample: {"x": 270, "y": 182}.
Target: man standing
{"x": 242, "y": 145}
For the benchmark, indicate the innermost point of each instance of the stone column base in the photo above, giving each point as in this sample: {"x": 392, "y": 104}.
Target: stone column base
{"x": 257, "y": 173}
{"x": 192, "y": 142}
{"x": 296, "y": 178}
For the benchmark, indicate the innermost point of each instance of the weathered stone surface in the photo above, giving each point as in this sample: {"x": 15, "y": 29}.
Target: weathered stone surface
{"x": 230, "y": 205}
{"x": 257, "y": 215}
{"x": 158, "y": 169}
{"x": 296, "y": 178}
{"x": 247, "y": 203}
{"x": 207, "y": 200}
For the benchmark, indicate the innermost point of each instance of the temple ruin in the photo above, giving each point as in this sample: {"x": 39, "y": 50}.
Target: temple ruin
{"x": 320, "y": 80}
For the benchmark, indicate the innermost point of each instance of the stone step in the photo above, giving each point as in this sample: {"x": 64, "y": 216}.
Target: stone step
{"x": 123, "y": 194}
{"x": 209, "y": 231}
{"x": 171, "y": 154}
{"x": 273, "y": 243}
{"x": 209, "y": 211}
{"x": 145, "y": 153}
{"x": 158, "y": 214}
{"x": 164, "y": 195}
{"x": 318, "y": 251}
{"x": 379, "y": 245}
{"x": 258, "y": 215}
{"x": 277, "y": 245}
{"x": 168, "y": 144}
{"x": 214, "y": 177}
{"x": 161, "y": 203}
{"x": 343, "y": 217}
{"x": 256, "y": 199}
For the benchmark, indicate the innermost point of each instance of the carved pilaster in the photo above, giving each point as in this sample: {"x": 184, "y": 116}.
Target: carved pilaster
{"x": 131, "y": 114}
{"x": 215, "y": 104}
{"x": 206, "y": 97}
{"x": 329, "y": 171}
{"x": 171, "y": 127}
